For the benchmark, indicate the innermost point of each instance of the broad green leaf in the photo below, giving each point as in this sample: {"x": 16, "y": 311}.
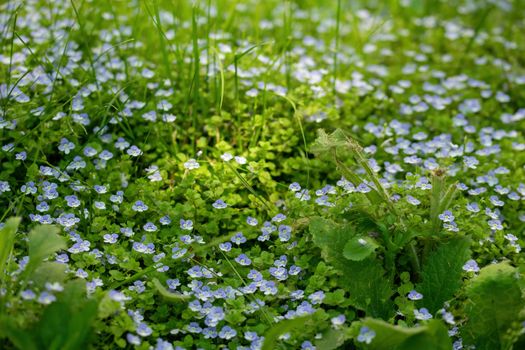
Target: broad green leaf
{"x": 495, "y": 304}
{"x": 43, "y": 241}
{"x": 48, "y": 272}
{"x": 7, "y": 241}
{"x": 432, "y": 335}
{"x": 166, "y": 294}
{"x": 332, "y": 339}
{"x": 359, "y": 248}
{"x": 442, "y": 273}
{"x": 331, "y": 238}
{"x": 272, "y": 335}
{"x": 370, "y": 290}
{"x": 67, "y": 323}
{"x": 21, "y": 338}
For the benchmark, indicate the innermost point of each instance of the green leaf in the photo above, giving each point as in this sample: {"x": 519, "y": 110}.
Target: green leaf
{"x": 166, "y": 294}
{"x": 43, "y": 241}
{"x": 332, "y": 339}
{"x": 370, "y": 290}
{"x": 433, "y": 335}
{"x": 21, "y": 338}
{"x": 7, "y": 241}
{"x": 359, "y": 248}
{"x": 272, "y": 335}
{"x": 67, "y": 323}
{"x": 331, "y": 238}
{"x": 495, "y": 304}
{"x": 48, "y": 272}
{"x": 442, "y": 273}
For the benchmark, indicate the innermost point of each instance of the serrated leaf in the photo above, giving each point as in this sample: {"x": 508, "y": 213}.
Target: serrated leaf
{"x": 7, "y": 241}
{"x": 432, "y": 335}
{"x": 442, "y": 273}
{"x": 43, "y": 241}
{"x": 331, "y": 238}
{"x": 496, "y": 302}
{"x": 370, "y": 290}
{"x": 359, "y": 248}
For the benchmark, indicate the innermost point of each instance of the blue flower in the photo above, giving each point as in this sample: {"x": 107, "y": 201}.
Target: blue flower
{"x": 134, "y": 151}
{"x": 227, "y": 333}
{"x": 338, "y": 320}
{"x": 422, "y": 314}
{"x": 139, "y": 206}
{"x": 414, "y": 295}
{"x": 251, "y": 221}
{"x": 46, "y": 298}
{"x": 186, "y": 224}
{"x": 471, "y": 266}
{"x": 238, "y": 238}
{"x": 317, "y": 297}
{"x": 446, "y": 216}
{"x": 225, "y": 247}
{"x": 144, "y": 330}
{"x": 150, "y": 227}
{"x": 366, "y": 335}
{"x": 191, "y": 164}
{"x": 219, "y": 204}
{"x": 412, "y": 200}
{"x": 294, "y": 187}
{"x": 243, "y": 260}
{"x": 307, "y": 345}
{"x": 133, "y": 339}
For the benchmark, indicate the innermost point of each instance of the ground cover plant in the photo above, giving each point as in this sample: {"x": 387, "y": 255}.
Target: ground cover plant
{"x": 223, "y": 174}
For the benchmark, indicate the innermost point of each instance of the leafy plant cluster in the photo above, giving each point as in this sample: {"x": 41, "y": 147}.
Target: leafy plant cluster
{"x": 262, "y": 175}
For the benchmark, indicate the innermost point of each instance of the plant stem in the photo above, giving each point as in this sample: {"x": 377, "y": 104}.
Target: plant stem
{"x": 415, "y": 260}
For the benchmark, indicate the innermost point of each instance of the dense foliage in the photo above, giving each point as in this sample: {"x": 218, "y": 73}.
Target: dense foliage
{"x": 262, "y": 174}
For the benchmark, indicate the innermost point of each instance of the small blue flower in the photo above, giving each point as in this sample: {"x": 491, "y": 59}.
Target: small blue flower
{"x": 150, "y": 227}
{"x": 422, "y": 314}
{"x": 471, "y": 266}
{"x": 238, "y": 238}
{"x": 173, "y": 283}
{"x": 307, "y": 345}
{"x": 243, "y": 260}
{"x": 279, "y": 217}
{"x": 110, "y": 238}
{"x": 134, "y": 151}
{"x": 473, "y": 207}
{"x": 414, "y": 295}
{"x": 191, "y": 164}
{"x": 294, "y": 187}
{"x": 317, "y": 297}
{"x": 186, "y": 224}
{"x": 133, "y": 339}
{"x": 338, "y": 320}
{"x": 219, "y": 204}
{"x": 46, "y": 298}
{"x": 225, "y": 247}
{"x": 412, "y": 200}
{"x": 446, "y": 216}
{"x": 227, "y": 333}
{"x": 139, "y": 206}
{"x": 366, "y": 335}
{"x": 72, "y": 201}
{"x": 144, "y": 330}
{"x": 252, "y": 221}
